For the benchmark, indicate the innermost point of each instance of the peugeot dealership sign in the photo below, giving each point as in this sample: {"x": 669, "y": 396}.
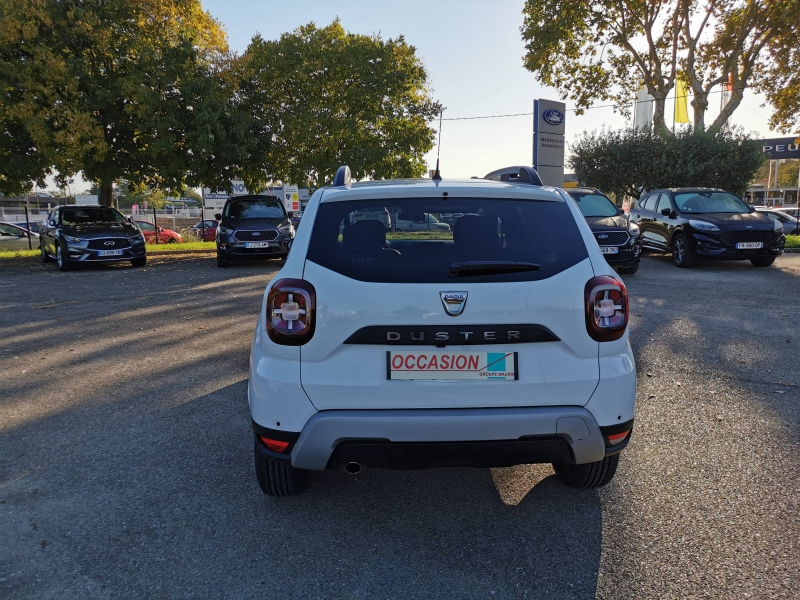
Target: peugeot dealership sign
{"x": 778, "y": 148}
{"x": 548, "y": 141}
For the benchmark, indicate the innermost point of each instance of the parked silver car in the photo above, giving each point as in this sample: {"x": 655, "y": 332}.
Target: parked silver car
{"x": 13, "y": 237}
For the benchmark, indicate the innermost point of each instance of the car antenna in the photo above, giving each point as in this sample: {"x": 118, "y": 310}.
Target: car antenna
{"x": 437, "y": 176}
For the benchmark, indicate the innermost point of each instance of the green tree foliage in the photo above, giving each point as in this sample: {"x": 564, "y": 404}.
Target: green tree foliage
{"x": 120, "y": 89}
{"x": 627, "y": 160}
{"x": 787, "y": 173}
{"x": 603, "y": 50}
{"x": 325, "y": 97}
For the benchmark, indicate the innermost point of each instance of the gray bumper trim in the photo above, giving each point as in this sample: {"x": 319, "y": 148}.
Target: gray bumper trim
{"x": 326, "y": 429}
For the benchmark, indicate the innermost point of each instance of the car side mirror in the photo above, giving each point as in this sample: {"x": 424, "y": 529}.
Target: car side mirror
{"x": 160, "y": 230}
{"x": 51, "y": 223}
{"x": 666, "y": 211}
{"x": 130, "y": 219}
{"x": 218, "y": 217}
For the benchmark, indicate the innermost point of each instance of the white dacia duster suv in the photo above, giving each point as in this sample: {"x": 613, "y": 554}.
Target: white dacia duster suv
{"x": 503, "y": 341}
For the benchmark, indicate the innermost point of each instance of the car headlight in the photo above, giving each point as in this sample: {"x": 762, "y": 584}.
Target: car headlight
{"x": 778, "y": 226}
{"x": 702, "y": 225}
{"x": 69, "y": 238}
{"x": 633, "y": 230}
{"x": 224, "y": 230}
{"x": 139, "y": 237}
{"x": 286, "y": 229}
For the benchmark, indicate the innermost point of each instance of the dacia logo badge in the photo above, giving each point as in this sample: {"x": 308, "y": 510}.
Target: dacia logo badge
{"x": 453, "y": 302}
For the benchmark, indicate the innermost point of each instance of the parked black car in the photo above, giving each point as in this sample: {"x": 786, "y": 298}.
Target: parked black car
{"x": 252, "y": 227}
{"x": 74, "y": 235}
{"x": 620, "y": 240}
{"x": 695, "y": 223}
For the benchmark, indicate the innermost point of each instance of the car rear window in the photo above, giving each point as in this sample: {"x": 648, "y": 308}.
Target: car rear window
{"x": 420, "y": 240}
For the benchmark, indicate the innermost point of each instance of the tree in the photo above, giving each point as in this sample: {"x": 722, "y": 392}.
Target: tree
{"x": 325, "y": 97}
{"x": 627, "y": 161}
{"x": 604, "y": 50}
{"x": 120, "y": 89}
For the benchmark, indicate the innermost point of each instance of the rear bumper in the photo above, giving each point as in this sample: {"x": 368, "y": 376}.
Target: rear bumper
{"x": 480, "y": 437}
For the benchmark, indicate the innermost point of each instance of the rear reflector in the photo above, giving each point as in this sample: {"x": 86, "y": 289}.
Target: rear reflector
{"x": 616, "y": 438}
{"x": 606, "y": 308}
{"x": 274, "y": 445}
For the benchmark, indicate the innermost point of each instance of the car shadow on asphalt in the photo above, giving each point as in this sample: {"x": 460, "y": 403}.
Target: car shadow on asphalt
{"x": 170, "y": 492}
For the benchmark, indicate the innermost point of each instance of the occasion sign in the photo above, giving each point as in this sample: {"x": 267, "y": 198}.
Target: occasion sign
{"x": 489, "y": 366}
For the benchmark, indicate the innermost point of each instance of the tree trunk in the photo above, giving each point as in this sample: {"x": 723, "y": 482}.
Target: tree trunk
{"x": 659, "y": 123}
{"x": 107, "y": 193}
{"x": 699, "y": 108}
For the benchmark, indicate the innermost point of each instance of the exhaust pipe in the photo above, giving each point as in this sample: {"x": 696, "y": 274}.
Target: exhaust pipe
{"x": 353, "y": 468}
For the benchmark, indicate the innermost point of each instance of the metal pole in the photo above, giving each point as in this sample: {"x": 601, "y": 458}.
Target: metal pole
{"x": 28, "y": 226}
{"x": 203, "y": 213}
{"x": 155, "y": 222}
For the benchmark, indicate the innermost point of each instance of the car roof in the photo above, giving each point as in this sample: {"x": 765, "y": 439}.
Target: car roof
{"x": 689, "y": 190}
{"x": 425, "y": 188}
{"x": 583, "y": 190}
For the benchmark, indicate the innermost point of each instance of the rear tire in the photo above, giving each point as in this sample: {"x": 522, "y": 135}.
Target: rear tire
{"x": 590, "y": 475}
{"x": 681, "y": 252}
{"x": 762, "y": 262}
{"x": 628, "y": 270}
{"x": 172, "y": 241}
{"x": 139, "y": 262}
{"x": 277, "y": 478}
{"x": 221, "y": 262}
{"x": 61, "y": 260}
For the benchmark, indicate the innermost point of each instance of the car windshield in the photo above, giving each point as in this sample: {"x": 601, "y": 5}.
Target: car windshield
{"x": 594, "y": 205}
{"x": 697, "y": 203}
{"x": 81, "y": 216}
{"x": 268, "y": 208}
{"x": 494, "y": 240}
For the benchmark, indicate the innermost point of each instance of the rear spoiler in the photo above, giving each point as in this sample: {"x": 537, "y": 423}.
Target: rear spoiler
{"x": 516, "y": 175}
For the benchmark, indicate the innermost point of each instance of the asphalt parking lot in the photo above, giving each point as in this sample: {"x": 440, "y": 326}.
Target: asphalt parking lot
{"x": 126, "y": 456}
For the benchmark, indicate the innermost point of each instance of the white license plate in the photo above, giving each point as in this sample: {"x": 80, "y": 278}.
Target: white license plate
{"x": 109, "y": 253}
{"x": 609, "y": 249}
{"x": 256, "y": 244}
{"x": 746, "y": 245}
{"x": 477, "y": 366}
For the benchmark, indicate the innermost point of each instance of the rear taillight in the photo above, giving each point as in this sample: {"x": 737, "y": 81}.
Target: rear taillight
{"x": 291, "y": 304}
{"x": 606, "y": 308}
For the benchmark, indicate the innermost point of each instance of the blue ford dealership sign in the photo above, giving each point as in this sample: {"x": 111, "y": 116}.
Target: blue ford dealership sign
{"x": 553, "y": 117}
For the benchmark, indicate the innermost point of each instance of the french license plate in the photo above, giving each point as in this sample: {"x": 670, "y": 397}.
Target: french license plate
{"x": 256, "y": 244}
{"x": 609, "y": 249}
{"x": 477, "y": 366}
{"x": 109, "y": 253}
{"x": 747, "y": 245}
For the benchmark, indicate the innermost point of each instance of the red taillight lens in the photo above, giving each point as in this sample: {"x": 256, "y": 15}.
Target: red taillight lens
{"x": 290, "y": 317}
{"x": 274, "y": 445}
{"x": 606, "y": 308}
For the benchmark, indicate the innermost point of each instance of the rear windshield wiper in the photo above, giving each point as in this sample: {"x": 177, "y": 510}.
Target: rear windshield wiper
{"x": 489, "y": 267}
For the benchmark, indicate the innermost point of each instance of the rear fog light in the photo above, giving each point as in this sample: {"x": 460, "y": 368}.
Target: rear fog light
{"x": 616, "y": 438}
{"x": 274, "y": 445}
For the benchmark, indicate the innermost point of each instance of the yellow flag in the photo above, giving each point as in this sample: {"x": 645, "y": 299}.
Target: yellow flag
{"x": 681, "y": 101}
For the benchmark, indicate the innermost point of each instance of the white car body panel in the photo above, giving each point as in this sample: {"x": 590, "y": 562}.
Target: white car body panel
{"x": 338, "y": 376}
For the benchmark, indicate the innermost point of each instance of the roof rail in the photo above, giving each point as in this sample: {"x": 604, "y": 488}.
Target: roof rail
{"x": 342, "y": 177}
{"x": 517, "y": 174}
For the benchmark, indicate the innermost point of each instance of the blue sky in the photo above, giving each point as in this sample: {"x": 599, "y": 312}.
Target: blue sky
{"x": 473, "y": 53}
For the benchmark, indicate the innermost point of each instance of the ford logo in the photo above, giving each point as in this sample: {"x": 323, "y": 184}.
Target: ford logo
{"x": 603, "y": 236}
{"x": 256, "y": 233}
{"x": 553, "y": 117}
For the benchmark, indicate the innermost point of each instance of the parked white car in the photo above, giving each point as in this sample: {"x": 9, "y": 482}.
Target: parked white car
{"x": 505, "y": 343}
